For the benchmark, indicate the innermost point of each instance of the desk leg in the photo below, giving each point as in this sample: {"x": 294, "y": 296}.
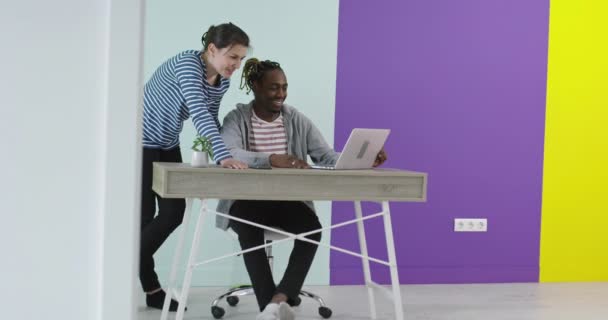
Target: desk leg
{"x": 366, "y": 270}
{"x": 191, "y": 261}
{"x": 392, "y": 259}
{"x": 177, "y": 255}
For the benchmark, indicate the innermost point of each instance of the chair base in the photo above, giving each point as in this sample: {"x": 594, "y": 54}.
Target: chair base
{"x": 232, "y": 298}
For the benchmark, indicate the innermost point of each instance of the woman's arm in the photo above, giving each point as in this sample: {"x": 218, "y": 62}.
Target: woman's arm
{"x": 190, "y": 80}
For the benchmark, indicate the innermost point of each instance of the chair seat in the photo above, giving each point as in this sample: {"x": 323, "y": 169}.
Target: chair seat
{"x": 272, "y": 236}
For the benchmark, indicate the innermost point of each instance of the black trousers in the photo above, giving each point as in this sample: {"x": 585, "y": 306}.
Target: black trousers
{"x": 291, "y": 216}
{"x": 156, "y": 229}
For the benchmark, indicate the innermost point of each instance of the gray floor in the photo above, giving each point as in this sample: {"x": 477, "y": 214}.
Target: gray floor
{"x": 530, "y": 301}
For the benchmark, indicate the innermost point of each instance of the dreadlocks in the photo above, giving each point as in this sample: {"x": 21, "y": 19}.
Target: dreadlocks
{"x": 254, "y": 70}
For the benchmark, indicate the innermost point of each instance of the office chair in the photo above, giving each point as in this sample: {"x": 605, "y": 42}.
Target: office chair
{"x": 233, "y": 295}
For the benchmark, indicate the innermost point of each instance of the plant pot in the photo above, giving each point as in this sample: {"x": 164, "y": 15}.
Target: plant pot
{"x": 199, "y": 159}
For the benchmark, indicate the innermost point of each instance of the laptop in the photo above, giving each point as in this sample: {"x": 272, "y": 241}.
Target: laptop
{"x": 360, "y": 150}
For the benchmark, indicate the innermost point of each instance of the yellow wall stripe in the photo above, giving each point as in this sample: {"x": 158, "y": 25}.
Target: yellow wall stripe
{"x": 574, "y": 233}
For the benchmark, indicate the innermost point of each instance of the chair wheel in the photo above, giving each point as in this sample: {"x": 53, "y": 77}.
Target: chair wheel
{"x": 232, "y": 300}
{"x": 217, "y": 312}
{"x": 296, "y": 301}
{"x": 325, "y": 312}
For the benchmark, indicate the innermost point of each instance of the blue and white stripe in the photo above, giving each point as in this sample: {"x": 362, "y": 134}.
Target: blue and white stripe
{"x": 177, "y": 90}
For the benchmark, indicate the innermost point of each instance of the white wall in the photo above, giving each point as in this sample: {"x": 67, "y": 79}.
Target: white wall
{"x": 302, "y": 36}
{"x": 122, "y": 161}
{"x": 54, "y": 119}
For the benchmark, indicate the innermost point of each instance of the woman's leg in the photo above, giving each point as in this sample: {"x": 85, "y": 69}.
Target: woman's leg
{"x": 157, "y": 229}
{"x": 147, "y": 276}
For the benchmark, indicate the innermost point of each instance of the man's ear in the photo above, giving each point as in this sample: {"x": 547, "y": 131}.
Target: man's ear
{"x": 255, "y": 86}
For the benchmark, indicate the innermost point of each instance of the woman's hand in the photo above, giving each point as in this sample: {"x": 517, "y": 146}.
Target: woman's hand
{"x": 287, "y": 161}
{"x": 380, "y": 158}
{"x": 233, "y": 164}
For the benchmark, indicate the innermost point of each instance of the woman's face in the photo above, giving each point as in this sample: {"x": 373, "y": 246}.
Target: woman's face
{"x": 226, "y": 60}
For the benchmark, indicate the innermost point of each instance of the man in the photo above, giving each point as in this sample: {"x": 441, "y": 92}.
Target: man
{"x": 268, "y": 133}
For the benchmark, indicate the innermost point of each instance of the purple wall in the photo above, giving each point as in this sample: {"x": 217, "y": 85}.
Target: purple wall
{"x": 462, "y": 86}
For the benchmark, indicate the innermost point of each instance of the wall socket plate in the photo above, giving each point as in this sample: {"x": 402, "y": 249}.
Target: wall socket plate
{"x": 470, "y": 225}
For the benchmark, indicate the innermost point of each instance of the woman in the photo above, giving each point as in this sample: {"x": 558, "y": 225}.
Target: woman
{"x": 190, "y": 84}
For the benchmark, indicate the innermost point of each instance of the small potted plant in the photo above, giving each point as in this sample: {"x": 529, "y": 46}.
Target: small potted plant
{"x": 201, "y": 152}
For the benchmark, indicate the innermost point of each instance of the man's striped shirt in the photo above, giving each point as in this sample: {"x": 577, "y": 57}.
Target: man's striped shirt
{"x": 268, "y": 137}
{"x": 177, "y": 90}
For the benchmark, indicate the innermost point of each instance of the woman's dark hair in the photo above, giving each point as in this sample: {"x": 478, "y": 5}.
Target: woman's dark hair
{"x": 254, "y": 70}
{"x": 224, "y": 35}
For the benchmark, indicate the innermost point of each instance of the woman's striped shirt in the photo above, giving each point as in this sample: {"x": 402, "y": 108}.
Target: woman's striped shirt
{"x": 177, "y": 90}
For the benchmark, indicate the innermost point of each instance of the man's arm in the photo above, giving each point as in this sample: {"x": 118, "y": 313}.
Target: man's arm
{"x": 318, "y": 149}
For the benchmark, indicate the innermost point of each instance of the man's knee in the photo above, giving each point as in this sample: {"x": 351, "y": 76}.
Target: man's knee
{"x": 315, "y": 225}
{"x": 315, "y": 236}
{"x": 249, "y": 236}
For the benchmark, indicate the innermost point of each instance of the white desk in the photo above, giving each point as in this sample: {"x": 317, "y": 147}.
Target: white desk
{"x": 180, "y": 180}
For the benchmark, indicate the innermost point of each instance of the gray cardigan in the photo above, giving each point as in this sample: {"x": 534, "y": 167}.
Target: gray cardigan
{"x": 303, "y": 139}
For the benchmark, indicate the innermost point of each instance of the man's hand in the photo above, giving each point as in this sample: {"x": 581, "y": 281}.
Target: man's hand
{"x": 287, "y": 161}
{"x": 233, "y": 164}
{"x": 380, "y": 158}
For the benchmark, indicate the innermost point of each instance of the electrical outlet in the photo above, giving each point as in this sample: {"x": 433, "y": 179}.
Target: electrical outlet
{"x": 470, "y": 225}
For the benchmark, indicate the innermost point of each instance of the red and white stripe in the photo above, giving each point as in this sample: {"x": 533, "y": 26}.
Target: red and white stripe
{"x": 268, "y": 137}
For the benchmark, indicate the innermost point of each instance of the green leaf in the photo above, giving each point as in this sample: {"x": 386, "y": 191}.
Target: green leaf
{"x": 203, "y": 144}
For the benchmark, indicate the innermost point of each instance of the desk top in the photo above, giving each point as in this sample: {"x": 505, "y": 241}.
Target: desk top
{"x": 180, "y": 180}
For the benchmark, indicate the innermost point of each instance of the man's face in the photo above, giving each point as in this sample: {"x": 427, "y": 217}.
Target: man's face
{"x": 271, "y": 91}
